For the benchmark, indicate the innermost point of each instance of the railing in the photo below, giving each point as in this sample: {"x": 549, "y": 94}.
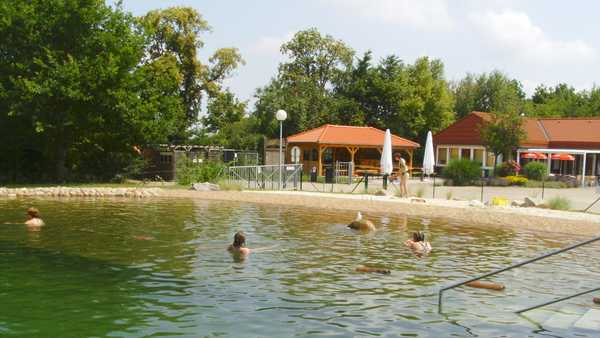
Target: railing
{"x": 495, "y": 272}
{"x": 343, "y": 172}
{"x": 266, "y": 177}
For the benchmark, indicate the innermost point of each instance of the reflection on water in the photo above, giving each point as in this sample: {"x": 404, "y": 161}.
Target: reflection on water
{"x": 141, "y": 268}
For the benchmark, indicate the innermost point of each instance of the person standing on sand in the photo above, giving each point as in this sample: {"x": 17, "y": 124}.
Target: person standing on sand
{"x": 33, "y": 218}
{"x": 403, "y": 178}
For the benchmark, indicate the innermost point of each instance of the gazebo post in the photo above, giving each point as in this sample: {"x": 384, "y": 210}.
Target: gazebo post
{"x": 319, "y": 170}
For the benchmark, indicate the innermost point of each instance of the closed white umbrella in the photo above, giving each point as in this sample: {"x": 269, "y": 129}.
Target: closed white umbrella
{"x": 386, "y": 165}
{"x": 428, "y": 159}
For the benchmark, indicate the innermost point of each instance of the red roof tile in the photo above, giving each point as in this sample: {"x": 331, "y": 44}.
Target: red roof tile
{"x": 555, "y": 133}
{"x": 349, "y": 135}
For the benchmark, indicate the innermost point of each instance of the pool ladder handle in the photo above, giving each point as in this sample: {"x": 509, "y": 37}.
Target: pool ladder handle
{"x": 516, "y": 265}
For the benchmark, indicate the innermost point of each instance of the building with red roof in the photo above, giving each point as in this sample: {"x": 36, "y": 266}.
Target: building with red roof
{"x": 328, "y": 144}
{"x": 545, "y": 137}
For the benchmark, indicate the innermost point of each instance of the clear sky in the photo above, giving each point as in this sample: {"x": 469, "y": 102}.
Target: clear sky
{"x": 534, "y": 41}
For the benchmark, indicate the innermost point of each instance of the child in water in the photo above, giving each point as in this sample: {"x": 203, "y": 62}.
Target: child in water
{"x": 238, "y": 246}
{"x": 33, "y": 218}
{"x": 418, "y": 244}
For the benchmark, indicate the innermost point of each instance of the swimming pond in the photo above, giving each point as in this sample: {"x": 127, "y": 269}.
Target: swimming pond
{"x": 159, "y": 268}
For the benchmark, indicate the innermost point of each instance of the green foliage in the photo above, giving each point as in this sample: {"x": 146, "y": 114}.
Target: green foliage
{"x": 189, "y": 172}
{"x": 535, "y": 170}
{"x": 547, "y": 184}
{"x": 559, "y": 203}
{"x": 493, "y": 92}
{"x": 449, "y": 194}
{"x": 516, "y": 180}
{"x": 503, "y": 134}
{"x": 505, "y": 169}
{"x": 462, "y": 172}
{"x": 226, "y": 186}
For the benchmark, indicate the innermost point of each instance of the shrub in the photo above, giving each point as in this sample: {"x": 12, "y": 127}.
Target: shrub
{"x": 535, "y": 171}
{"x": 505, "y": 169}
{"x": 462, "y": 172}
{"x": 559, "y": 203}
{"x": 189, "y": 172}
{"x": 449, "y": 194}
{"x": 516, "y": 180}
{"x": 420, "y": 192}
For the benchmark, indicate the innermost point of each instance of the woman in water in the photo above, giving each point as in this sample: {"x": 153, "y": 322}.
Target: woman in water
{"x": 238, "y": 245}
{"x": 418, "y": 244}
{"x": 33, "y": 218}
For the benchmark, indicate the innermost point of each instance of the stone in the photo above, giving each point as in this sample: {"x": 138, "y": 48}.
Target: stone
{"x": 515, "y": 203}
{"x": 205, "y": 187}
{"x": 529, "y": 202}
{"x": 476, "y": 203}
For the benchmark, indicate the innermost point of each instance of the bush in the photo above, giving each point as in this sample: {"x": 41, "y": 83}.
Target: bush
{"x": 462, "y": 172}
{"x": 535, "y": 171}
{"x": 505, "y": 169}
{"x": 189, "y": 172}
{"x": 517, "y": 180}
{"x": 559, "y": 203}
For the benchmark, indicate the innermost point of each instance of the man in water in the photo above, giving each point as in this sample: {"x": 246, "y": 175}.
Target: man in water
{"x": 33, "y": 218}
{"x": 238, "y": 246}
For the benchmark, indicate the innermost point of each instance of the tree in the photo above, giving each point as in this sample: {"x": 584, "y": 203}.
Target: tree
{"x": 503, "y": 134}
{"x": 303, "y": 85}
{"x": 176, "y": 33}
{"x": 493, "y": 92}
{"x": 559, "y": 101}
{"x": 67, "y": 69}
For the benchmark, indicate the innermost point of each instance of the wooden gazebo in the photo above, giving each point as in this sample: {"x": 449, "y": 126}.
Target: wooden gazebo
{"x": 332, "y": 143}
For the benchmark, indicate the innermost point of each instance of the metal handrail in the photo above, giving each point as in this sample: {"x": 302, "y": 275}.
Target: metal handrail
{"x": 516, "y": 265}
{"x": 557, "y": 300}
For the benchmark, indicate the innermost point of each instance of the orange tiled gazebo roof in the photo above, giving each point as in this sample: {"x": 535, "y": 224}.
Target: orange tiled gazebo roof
{"x": 330, "y": 134}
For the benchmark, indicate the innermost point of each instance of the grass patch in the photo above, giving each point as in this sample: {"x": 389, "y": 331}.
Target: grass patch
{"x": 420, "y": 192}
{"x": 226, "y": 186}
{"x": 547, "y": 184}
{"x": 559, "y": 203}
{"x": 449, "y": 195}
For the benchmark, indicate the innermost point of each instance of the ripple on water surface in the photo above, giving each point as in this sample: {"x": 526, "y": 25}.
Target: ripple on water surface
{"x": 159, "y": 268}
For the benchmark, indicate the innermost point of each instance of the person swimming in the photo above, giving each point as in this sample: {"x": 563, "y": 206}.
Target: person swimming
{"x": 238, "y": 245}
{"x": 33, "y": 218}
{"x": 418, "y": 244}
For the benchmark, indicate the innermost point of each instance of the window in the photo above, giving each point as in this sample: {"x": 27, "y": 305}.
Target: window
{"x": 490, "y": 159}
{"x": 166, "y": 158}
{"x": 315, "y": 155}
{"x": 453, "y": 153}
{"x": 306, "y": 155}
{"x": 442, "y": 156}
{"x": 465, "y": 153}
{"x": 478, "y": 156}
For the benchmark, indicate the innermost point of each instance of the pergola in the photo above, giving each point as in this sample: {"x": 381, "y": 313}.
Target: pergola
{"x": 359, "y": 145}
{"x": 583, "y": 152}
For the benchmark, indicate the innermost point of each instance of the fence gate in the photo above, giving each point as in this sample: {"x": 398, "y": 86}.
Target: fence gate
{"x": 343, "y": 172}
{"x": 266, "y": 177}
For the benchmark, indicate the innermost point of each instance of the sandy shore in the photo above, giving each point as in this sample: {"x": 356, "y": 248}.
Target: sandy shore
{"x": 523, "y": 218}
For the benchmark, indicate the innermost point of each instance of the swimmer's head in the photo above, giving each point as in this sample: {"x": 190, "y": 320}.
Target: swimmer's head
{"x": 33, "y": 212}
{"x": 239, "y": 240}
{"x": 418, "y": 236}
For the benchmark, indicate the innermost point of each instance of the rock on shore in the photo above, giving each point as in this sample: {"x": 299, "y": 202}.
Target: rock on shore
{"x": 79, "y": 192}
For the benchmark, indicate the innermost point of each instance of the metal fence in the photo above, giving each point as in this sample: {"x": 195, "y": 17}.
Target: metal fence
{"x": 343, "y": 172}
{"x": 266, "y": 177}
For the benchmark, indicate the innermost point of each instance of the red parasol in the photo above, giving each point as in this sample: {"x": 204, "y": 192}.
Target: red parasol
{"x": 563, "y": 157}
{"x": 529, "y": 155}
{"x": 541, "y": 156}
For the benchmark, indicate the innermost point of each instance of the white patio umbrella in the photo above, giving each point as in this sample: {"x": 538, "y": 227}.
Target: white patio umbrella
{"x": 428, "y": 159}
{"x": 386, "y": 165}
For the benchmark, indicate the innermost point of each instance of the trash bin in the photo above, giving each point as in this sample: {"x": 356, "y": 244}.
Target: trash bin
{"x": 329, "y": 175}
{"x": 313, "y": 175}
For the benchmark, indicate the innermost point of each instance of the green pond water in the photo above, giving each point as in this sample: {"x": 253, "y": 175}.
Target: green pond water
{"x": 159, "y": 268}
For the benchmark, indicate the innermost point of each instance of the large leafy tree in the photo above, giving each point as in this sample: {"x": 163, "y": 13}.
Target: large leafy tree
{"x": 176, "y": 34}
{"x": 488, "y": 92}
{"x": 67, "y": 70}
{"x": 303, "y": 85}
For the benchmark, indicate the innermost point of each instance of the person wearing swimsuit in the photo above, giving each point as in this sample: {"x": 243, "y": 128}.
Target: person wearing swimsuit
{"x": 418, "y": 244}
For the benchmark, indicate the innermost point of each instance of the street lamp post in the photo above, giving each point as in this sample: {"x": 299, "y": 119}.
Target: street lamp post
{"x": 281, "y": 115}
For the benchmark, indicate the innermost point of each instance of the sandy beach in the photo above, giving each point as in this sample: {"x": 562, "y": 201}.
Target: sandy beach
{"x": 523, "y": 218}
